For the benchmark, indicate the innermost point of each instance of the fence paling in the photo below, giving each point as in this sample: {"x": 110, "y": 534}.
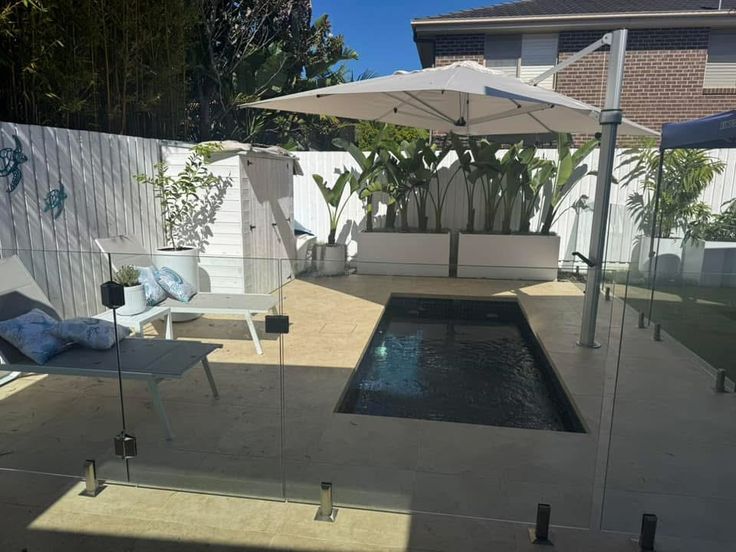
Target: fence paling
{"x": 573, "y": 226}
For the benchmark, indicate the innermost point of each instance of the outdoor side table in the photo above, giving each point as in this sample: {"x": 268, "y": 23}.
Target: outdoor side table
{"x": 138, "y": 321}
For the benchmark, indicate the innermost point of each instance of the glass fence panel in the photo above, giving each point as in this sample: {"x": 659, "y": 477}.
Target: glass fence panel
{"x": 673, "y": 427}
{"x": 409, "y": 390}
{"x": 206, "y": 413}
{"x": 59, "y": 404}
{"x": 456, "y": 395}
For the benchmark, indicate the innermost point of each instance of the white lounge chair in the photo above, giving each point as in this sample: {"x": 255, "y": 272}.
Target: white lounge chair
{"x": 149, "y": 360}
{"x": 125, "y": 250}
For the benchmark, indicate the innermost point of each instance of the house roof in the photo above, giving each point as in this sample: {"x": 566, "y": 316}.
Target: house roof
{"x": 526, "y": 8}
{"x": 538, "y": 16}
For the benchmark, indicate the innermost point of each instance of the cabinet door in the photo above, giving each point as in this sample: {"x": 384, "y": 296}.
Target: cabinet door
{"x": 272, "y": 211}
{"x": 248, "y": 229}
{"x": 283, "y": 213}
{"x": 260, "y": 258}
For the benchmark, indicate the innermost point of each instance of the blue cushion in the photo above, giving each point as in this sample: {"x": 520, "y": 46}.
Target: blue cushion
{"x": 89, "y": 332}
{"x": 154, "y": 292}
{"x": 174, "y": 285}
{"x": 30, "y": 333}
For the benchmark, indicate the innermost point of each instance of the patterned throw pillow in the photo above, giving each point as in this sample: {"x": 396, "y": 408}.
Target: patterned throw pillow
{"x": 154, "y": 292}
{"x": 174, "y": 285}
{"x": 30, "y": 333}
{"x": 89, "y": 332}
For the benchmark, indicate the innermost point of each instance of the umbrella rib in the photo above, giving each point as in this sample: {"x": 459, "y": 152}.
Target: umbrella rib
{"x": 540, "y": 122}
{"x": 518, "y": 110}
{"x": 428, "y": 110}
{"x": 394, "y": 109}
{"x": 431, "y": 108}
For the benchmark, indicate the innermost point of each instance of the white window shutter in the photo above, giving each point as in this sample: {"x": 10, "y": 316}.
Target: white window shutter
{"x": 538, "y": 54}
{"x": 502, "y": 52}
{"x": 720, "y": 70}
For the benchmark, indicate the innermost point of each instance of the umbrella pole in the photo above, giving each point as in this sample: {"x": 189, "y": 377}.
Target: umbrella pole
{"x": 610, "y": 118}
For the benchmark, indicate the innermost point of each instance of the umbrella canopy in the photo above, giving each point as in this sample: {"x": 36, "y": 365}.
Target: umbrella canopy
{"x": 714, "y": 131}
{"x": 464, "y": 98}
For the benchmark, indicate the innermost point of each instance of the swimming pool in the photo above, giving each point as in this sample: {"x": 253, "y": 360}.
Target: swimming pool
{"x": 458, "y": 360}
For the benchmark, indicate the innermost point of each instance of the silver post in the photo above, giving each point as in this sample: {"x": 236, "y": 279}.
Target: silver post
{"x": 540, "y": 533}
{"x": 91, "y": 484}
{"x": 720, "y": 386}
{"x": 610, "y": 118}
{"x": 648, "y": 531}
{"x": 326, "y": 511}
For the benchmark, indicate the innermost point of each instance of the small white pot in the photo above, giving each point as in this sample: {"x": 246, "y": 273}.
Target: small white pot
{"x": 329, "y": 260}
{"x": 135, "y": 301}
{"x": 184, "y": 262}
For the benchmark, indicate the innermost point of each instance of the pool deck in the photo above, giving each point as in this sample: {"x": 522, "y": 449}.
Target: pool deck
{"x": 671, "y": 444}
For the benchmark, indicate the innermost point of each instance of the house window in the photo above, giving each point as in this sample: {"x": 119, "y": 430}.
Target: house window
{"x": 523, "y": 56}
{"x": 503, "y": 53}
{"x": 720, "y": 70}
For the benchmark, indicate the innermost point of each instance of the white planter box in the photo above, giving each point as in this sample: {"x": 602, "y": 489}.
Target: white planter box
{"x": 668, "y": 252}
{"x": 709, "y": 263}
{"x": 706, "y": 263}
{"x": 403, "y": 254}
{"x": 510, "y": 257}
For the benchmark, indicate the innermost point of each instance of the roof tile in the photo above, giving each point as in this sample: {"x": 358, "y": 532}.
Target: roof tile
{"x": 522, "y": 8}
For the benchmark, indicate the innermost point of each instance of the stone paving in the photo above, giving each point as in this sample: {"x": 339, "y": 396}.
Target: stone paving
{"x": 671, "y": 445}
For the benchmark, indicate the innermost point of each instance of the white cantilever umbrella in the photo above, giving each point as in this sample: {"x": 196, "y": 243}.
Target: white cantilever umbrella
{"x": 464, "y": 98}
{"x": 467, "y": 98}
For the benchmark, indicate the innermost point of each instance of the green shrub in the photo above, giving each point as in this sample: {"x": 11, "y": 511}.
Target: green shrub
{"x": 127, "y": 276}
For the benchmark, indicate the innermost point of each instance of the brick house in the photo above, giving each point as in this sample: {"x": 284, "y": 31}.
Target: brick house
{"x": 680, "y": 60}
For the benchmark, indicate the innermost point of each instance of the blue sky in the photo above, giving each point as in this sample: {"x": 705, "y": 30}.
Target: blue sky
{"x": 380, "y": 30}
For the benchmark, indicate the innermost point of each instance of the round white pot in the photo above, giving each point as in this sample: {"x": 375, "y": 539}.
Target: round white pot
{"x": 184, "y": 262}
{"x": 329, "y": 260}
{"x": 135, "y": 301}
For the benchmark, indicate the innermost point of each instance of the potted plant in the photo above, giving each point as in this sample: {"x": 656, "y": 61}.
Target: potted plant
{"x": 181, "y": 197}
{"x": 406, "y": 172}
{"x": 135, "y": 295}
{"x": 330, "y": 257}
{"x": 686, "y": 174}
{"x": 464, "y": 165}
{"x": 569, "y": 170}
{"x": 710, "y": 247}
{"x": 369, "y": 175}
{"x": 516, "y": 186}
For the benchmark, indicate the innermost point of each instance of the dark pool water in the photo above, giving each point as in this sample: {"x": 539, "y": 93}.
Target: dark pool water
{"x": 456, "y": 360}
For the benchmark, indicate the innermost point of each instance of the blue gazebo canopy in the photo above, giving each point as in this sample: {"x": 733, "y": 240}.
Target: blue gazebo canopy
{"x": 714, "y": 131}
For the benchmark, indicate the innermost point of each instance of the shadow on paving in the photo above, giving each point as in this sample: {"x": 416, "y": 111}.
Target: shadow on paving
{"x": 703, "y": 319}
{"x": 364, "y": 286}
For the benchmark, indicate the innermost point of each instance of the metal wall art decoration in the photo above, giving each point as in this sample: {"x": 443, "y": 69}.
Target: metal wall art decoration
{"x": 10, "y": 162}
{"x": 55, "y": 201}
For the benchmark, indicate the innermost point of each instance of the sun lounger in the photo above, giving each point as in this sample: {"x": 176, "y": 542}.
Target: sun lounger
{"x": 124, "y": 250}
{"x": 149, "y": 360}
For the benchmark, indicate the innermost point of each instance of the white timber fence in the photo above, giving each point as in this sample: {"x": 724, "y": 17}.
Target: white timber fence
{"x": 55, "y": 238}
{"x": 54, "y": 232}
{"x": 573, "y": 225}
